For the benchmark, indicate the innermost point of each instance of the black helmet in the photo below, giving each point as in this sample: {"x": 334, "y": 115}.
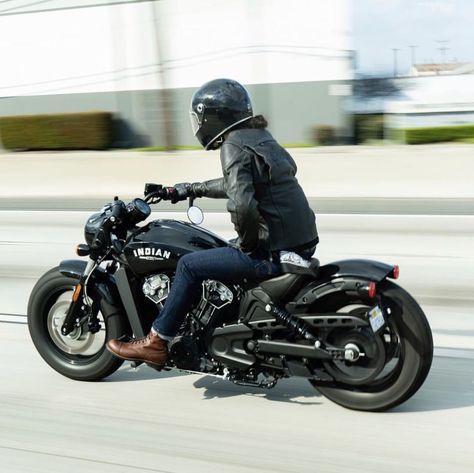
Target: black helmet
{"x": 216, "y": 107}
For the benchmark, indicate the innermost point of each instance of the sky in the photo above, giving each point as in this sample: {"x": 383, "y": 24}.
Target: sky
{"x": 381, "y": 25}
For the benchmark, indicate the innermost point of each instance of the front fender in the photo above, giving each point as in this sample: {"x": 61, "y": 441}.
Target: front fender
{"x": 73, "y": 268}
{"x": 101, "y": 281}
{"x": 348, "y": 276}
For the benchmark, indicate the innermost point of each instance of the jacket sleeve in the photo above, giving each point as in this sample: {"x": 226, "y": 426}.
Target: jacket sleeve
{"x": 242, "y": 205}
{"x": 214, "y": 188}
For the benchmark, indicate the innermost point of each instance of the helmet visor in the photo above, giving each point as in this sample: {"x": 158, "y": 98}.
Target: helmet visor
{"x": 195, "y": 122}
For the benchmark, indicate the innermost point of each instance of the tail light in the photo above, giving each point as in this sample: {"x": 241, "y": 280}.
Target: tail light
{"x": 395, "y": 272}
{"x": 372, "y": 290}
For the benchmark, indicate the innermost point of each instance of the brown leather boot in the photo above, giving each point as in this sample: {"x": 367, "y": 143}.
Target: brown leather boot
{"x": 150, "y": 349}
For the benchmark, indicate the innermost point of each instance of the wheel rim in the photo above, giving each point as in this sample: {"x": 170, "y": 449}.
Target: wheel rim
{"x": 366, "y": 368}
{"x": 80, "y": 341}
{"x": 386, "y": 348}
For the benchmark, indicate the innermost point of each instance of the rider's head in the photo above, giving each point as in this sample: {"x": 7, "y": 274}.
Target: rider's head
{"x": 217, "y": 107}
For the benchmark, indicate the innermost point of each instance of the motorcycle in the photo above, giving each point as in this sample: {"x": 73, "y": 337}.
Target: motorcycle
{"x": 361, "y": 340}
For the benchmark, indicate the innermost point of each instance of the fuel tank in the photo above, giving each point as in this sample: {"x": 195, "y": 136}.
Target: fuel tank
{"x": 157, "y": 247}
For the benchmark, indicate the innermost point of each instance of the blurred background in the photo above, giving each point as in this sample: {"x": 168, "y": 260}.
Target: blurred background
{"x": 338, "y": 72}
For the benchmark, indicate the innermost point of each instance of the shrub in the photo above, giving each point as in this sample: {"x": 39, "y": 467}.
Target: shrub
{"x": 88, "y": 130}
{"x": 368, "y": 127}
{"x": 438, "y": 134}
{"x": 323, "y": 135}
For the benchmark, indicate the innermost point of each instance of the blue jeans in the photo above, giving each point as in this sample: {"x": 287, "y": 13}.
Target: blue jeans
{"x": 228, "y": 265}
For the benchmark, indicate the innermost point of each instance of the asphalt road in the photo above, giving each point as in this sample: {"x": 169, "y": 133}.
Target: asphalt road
{"x": 144, "y": 421}
{"x": 148, "y": 422}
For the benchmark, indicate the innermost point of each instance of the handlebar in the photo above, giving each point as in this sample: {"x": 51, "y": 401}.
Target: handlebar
{"x": 157, "y": 191}
{"x": 117, "y": 217}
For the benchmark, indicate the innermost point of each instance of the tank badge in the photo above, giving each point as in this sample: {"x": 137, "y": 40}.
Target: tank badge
{"x": 149, "y": 253}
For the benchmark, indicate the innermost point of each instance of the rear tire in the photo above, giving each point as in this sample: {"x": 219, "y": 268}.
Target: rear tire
{"x": 414, "y": 356}
{"x": 81, "y": 355}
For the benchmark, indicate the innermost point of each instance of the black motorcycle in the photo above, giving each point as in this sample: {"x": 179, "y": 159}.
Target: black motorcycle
{"x": 359, "y": 339}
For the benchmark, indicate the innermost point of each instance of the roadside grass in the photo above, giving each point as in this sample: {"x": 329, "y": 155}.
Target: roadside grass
{"x": 298, "y": 145}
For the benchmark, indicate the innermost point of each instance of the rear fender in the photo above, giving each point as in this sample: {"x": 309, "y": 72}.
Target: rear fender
{"x": 348, "y": 276}
{"x": 359, "y": 268}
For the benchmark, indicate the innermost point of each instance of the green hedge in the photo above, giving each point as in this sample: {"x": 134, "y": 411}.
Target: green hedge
{"x": 88, "y": 130}
{"x": 438, "y": 134}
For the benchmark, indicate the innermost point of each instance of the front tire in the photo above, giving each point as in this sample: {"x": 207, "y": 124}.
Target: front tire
{"x": 81, "y": 355}
{"x": 411, "y": 358}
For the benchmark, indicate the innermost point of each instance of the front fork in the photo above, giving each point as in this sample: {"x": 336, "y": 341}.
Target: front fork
{"x": 80, "y": 306}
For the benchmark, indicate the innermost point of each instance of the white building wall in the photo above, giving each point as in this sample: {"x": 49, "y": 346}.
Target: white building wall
{"x": 433, "y": 101}
{"x": 267, "y": 41}
{"x": 175, "y": 43}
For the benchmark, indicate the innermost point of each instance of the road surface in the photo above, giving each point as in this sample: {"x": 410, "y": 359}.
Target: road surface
{"x": 144, "y": 421}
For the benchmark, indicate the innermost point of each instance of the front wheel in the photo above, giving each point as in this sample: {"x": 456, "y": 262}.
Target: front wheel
{"x": 397, "y": 361}
{"x": 80, "y": 355}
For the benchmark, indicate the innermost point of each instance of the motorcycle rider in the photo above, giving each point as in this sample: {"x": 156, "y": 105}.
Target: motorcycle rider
{"x": 268, "y": 208}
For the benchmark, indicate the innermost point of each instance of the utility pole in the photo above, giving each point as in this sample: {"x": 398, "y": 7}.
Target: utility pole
{"x": 165, "y": 94}
{"x": 443, "y": 48}
{"x": 395, "y": 52}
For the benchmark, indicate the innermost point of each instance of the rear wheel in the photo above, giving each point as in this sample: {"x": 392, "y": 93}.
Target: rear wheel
{"x": 82, "y": 354}
{"x": 395, "y": 361}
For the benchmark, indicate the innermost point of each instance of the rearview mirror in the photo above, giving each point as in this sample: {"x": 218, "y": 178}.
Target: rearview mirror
{"x": 195, "y": 215}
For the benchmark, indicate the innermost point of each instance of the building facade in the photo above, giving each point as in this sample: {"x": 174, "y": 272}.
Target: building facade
{"x": 143, "y": 59}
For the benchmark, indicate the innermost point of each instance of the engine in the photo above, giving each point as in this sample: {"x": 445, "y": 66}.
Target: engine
{"x": 157, "y": 288}
{"x": 215, "y": 296}
{"x": 213, "y": 310}
{"x": 185, "y": 351}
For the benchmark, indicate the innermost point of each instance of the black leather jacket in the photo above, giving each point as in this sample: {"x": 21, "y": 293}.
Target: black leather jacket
{"x": 268, "y": 208}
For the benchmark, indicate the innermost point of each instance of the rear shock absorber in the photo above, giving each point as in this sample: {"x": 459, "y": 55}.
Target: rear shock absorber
{"x": 300, "y": 326}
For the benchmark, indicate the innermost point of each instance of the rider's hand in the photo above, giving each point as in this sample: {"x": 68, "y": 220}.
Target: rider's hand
{"x": 180, "y": 192}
